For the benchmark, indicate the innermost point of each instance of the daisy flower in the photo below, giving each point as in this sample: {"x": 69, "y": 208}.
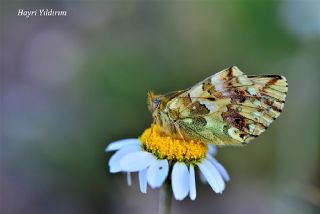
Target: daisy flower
{"x": 156, "y": 157}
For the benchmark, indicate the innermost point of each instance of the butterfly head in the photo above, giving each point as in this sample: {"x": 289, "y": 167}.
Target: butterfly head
{"x": 154, "y": 101}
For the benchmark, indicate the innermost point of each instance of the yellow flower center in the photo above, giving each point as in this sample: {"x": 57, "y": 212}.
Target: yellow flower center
{"x": 165, "y": 146}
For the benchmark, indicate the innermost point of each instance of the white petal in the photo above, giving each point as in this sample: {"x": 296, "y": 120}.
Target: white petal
{"x": 114, "y": 162}
{"x": 212, "y": 150}
{"x": 192, "y": 183}
{"x": 180, "y": 180}
{"x": 136, "y": 161}
{"x": 157, "y": 173}
{"x": 220, "y": 168}
{"x": 122, "y": 143}
{"x": 212, "y": 175}
{"x": 143, "y": 180}
{"x": 129, "y": 179}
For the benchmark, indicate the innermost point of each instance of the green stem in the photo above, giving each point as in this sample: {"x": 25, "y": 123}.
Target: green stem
{"x": 165, "y": 198}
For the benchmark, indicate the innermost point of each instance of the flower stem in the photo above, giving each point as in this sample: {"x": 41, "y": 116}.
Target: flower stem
{"x": 165, "y": 198}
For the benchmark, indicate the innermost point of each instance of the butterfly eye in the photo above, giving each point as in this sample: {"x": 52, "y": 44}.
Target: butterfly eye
{"x": 155, "y": 103}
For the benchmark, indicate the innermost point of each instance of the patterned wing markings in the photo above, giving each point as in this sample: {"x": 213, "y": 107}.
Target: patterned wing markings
{"x": 230, "y": 108}
{"x": 275, "y": 86}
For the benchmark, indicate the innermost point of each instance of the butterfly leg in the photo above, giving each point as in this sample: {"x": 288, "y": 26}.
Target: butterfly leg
{"x": 178, "y": 131}
{"x": 152, "y": 125}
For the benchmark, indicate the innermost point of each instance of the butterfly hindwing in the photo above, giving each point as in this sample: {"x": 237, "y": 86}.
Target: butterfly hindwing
{"x": 229, "y": 108}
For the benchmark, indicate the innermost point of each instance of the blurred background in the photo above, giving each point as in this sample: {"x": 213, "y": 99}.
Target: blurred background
{"x": 71, "y": 85}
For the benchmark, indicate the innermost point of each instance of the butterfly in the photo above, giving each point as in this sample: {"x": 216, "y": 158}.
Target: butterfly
{"x": 227, "y": 108}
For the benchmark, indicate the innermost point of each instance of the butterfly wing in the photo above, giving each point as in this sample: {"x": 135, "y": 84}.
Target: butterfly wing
{"x": 229, "y": 108}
